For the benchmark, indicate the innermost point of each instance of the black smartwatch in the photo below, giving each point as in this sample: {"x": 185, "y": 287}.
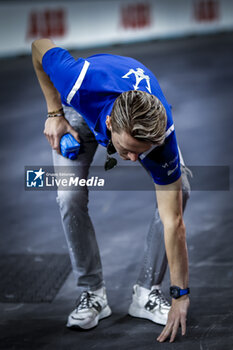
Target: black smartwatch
{"x": 177, "y": 292}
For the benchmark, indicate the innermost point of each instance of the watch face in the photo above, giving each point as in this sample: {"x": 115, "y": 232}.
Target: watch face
{"x": 175, "y": 293}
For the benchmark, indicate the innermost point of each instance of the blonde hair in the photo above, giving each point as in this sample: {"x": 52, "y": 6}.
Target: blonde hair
{"x": 141, "y": 115}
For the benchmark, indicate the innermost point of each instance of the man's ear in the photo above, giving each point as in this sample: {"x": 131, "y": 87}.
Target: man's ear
{"x": 108, "y": 123}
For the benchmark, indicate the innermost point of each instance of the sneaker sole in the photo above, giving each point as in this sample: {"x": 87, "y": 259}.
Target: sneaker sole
{"x": 72, "y": 323}
{"x": 142, "y": 313}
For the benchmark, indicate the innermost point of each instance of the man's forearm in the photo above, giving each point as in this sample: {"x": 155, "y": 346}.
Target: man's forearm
{"x": 176, "y": 249}
{"x": 170, "y": 209}
{"x": 52, "y": 96}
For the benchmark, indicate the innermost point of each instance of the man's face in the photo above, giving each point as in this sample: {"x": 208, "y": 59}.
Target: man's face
{"x": 128, "y": 147}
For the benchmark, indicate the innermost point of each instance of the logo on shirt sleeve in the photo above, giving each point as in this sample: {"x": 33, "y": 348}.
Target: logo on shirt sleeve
{"x": 172, "y": 170}
{"x": 140, "y": 76}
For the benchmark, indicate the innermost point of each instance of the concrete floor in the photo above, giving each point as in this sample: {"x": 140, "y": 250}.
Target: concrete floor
{"x": 196, "y": 75}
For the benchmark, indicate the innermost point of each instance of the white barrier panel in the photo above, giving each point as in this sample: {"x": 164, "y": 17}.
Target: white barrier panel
{"x": 92, "y": 23}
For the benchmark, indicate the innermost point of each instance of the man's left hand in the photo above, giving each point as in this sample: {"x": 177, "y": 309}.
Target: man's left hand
{"x": 177, "y": 316}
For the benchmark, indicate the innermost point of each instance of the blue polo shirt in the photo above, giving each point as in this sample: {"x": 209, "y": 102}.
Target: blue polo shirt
{"x": 91, "y": 87}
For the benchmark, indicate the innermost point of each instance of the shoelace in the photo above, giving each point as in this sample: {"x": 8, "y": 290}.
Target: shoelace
{"x": 157, "y": 297}
{"x": 85, "y": 301}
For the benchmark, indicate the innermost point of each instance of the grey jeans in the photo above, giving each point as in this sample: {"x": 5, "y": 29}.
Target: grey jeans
{"x": 78, "y": 227}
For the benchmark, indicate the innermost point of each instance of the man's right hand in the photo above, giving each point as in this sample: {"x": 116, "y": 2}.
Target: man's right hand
{"x": 55, "y": 128}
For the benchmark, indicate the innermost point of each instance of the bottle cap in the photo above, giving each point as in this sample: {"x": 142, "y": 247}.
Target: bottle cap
{"x": 72, "y": 155}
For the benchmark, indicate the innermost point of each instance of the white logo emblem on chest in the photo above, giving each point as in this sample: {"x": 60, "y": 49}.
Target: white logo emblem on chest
{"x": 139, "y": 75}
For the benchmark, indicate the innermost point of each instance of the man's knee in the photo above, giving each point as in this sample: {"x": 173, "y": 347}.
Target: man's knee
{"x": 73, "y": 200}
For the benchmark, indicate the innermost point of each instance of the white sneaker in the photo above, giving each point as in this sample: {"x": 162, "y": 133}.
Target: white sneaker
{"x": 149, "y": 304}
{"x": 91, "y": 307}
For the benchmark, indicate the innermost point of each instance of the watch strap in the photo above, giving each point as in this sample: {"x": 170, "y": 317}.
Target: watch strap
{"x": 184, "y": 291}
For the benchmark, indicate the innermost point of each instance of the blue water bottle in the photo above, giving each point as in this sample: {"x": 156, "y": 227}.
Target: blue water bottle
{"x": 69, "y": 146}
